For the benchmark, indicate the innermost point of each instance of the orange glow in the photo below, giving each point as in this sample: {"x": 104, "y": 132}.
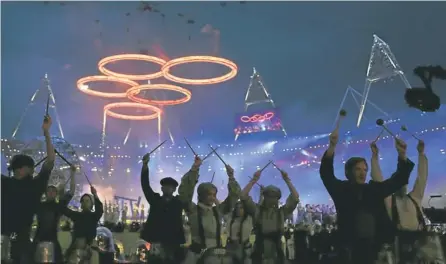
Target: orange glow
{"x": 81, "y": 85}
{"x": 138, "y": 57}
{"x": 132, "y": 92}
{"x": 193, "y": 59}
{"x": 109, "y": 107}
{"x": 257, "y": 118}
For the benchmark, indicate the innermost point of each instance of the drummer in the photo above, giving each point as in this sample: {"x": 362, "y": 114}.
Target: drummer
{"x": 239, "y": 230}
{"x": 20, "y": 196}
{"x": 84, "y": 230}
{"x": 48, "y": 215}
{"x": 206, "y": 216}
{"x": 164, "y": 225}
{"x": 408, "y": 205}
{"x": 269, "y": 218}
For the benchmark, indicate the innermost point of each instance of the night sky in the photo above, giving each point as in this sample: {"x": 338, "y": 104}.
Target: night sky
{"x": 307, "y": 54}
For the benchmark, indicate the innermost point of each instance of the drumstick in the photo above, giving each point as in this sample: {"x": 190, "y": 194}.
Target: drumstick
{"x": 40, "y": 162}
{"x": 212, "y": 180}
{"x": 266, "y": 166}
{"x": 275, "y": 166}
{"x": 69, "y": 178}
{"x": 218, "y": 156}
{"x": 380, "y": 123}
{"x": 379, "y": 135}
{"x": 58, "y": 154}
{"x": 86, "y": 177}
{"x": 342, "y": 114}
{"x": 208, "y": 155}
{"x": 157, "y": 147}
{"x": 193, "y": 151}
{"x": 256, "y": 182}
{"x": 63, "y": 158}
{"x": 404, "y": 128}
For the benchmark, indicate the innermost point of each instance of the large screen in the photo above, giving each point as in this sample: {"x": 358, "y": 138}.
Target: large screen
{"x": 258, "y": 121}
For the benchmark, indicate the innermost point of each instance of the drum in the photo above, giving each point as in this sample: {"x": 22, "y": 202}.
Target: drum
{"x": 79, "y": 256}
{"x": 104, "y": 240}
{"x": 240, "y": 252}
{"x": 159, "y": 253}
{"x": 45, "y": 253}
{"x": 420, "y": 247}
{"x": 215, "y": 255}
{"x": 6, "y": 248}
{"x": 386, "y": 255}
{"x": 156, "y": 250}
{"x": 142, "y": 252}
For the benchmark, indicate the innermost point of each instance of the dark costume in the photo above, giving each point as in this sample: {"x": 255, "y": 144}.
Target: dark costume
{"x": 164, "y": 225}
{"x": 19, "y": 203}
{"x": 358, "y": 209}
{"x": 48, "y": 215}
{"x": 84, "y": 229}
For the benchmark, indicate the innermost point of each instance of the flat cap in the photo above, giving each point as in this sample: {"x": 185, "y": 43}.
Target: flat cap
{"x": 168, "y": 181}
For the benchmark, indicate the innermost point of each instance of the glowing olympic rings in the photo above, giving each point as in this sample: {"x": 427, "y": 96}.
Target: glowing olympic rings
{"x": 132, "y": 92}
{"x": 109, "y": 107}
{"x": 81, "y": 85}
{"x": 257, "y": 118}
{"x": 191, "y": 59}
{"x": 139, "y": 57}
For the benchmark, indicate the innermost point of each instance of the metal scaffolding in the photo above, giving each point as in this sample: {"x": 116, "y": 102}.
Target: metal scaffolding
{"x": 382, "y": 65}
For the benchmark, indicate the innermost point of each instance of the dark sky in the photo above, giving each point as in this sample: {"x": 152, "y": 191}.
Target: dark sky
{"x": 306, "y": 52}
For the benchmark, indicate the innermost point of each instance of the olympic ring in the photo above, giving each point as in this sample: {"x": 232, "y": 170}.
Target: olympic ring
{"x": 191, "y": 59}
{"x": 132, "y": 92}
{"x": 81, "y": 85}
{"x": 139, "y": 57}
{"x": 257, "y": 118}
{"x": 107, "y": 111}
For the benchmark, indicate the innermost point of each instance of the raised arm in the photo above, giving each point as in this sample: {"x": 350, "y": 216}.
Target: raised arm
{"x": 293, "y": 198}
{"x": 65, "y": 197}
{"x": 376, "y": 173}
{"x": 70, "y": 213}
{"x": 98, "y": 207}
{"x": 399, "y": 178}
{"x": 261, "y": 194}
{"x": 150, "y": 195}
{"x": 188, "y": 182}
{"x": 326, "y": 172}
{"x": 326, "y": 169}
{"x": 41, "y": 180}
{"x": 248, "y": 203}
{"x": 420, "y": 183}
{"x": 233, "y": 193}
{"x": 72, "y": 178}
